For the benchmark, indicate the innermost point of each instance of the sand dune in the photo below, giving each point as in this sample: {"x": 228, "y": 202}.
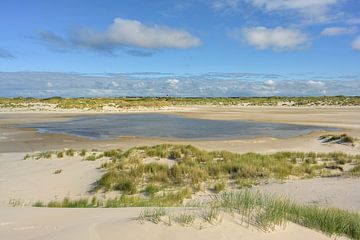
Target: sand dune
{"x": 100, "y": 224}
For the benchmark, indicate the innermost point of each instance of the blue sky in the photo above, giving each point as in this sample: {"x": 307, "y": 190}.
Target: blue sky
{"x": 215, "y": 44}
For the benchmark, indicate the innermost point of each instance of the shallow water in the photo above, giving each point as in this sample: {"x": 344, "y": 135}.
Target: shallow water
{"x": 108, "y": 126}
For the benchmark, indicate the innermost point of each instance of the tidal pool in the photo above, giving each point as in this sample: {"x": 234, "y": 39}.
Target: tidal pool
{"x": 109, "y": 126}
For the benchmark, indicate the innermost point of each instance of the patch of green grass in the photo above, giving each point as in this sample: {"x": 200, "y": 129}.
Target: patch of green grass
{"x": 261, "y": 210}
{"x": 127, "y": 186}
{"x": 58, "y": 171}
{"x": 245, "y": 183}
{"x": 70, "y": 152}
{"x": 166, "y": 199}
{"x": 94, "y": 157}
{"x": 150, "y": 190}
{"x": 60, "y": 154}
{"x": 194, "y": 167}
{"x": 341, "y": 139}
{"x": 185, "y": 219}
{"x": 39, "y": 204}
{"x": 152, "y": 215}
{"x": 266, "y": 211}
{"x": 68, "y": 203}
{"x": 355, "y": 171}
{"x": 91, "y": 157}
{"x": 219, "y": 186}
{"x": 44, "y": 155}
{"x": 114, "y": 154}
{"x": 83, "y": 152}
{"x": 211, "y": 213}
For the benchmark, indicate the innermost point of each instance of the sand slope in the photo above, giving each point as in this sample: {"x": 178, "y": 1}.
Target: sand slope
{"x": 114, "y": 224}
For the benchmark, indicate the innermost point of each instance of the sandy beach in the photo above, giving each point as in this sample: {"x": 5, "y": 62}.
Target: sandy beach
{"x": 24, "y": 182}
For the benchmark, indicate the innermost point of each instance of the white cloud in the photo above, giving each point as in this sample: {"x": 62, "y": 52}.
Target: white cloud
{"x": 277, "y": 38}
{"x": 124, "y": 32}
{"x": 315, "y": 84}
{"x": 134, "y": 37}
{"x": 269, "y": 82}
{"x": 173, "y": 83}
{"x": 312, "y": 10}
{"x": 293, "y": 4}
{"x": 356, "y": 44}
{"x": 336, "y": 31}
{"x": 316, "y": 10}
{"x": 115, "y": 84}
{"x": 33, "y": 84}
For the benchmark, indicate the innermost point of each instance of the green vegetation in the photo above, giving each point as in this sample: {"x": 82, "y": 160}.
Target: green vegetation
{"x": 152, "y": 215}
{"x": 94, "y": 157}
{"x": 58, "y": 171}
{"x": 67, "y": 203}
{"x": 355, "y": 171}
{"x": 194, "y": 168}
{"x": 82, "y": 153}
{"x": 60, "y": 154}
{"x": 153, "y": 102}
{"x": 70, "y": 152}
{"x": 260, "y": 210}
{"x": 341, "y": 139}
{"x": 142, "y": 180}
{"x": 266, "y": 212}
{"x": 150, "y": 190}
{"x": 185, "y": 219}
{"x": 219, "y": 186}
{"x": 138, "y": 171}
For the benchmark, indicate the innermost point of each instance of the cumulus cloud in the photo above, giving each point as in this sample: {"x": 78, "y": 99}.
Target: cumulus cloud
{"x": 270, "y": 83}
{"x": 278, "y": 38}
{"x": 173, "y": 83}
{"x": 356, "y": 44}
{"x": 123, "y": 33}
{"x": 316, "y": 84}
{"x": 5, "y": 53}
{"x": 336, "y": 31}
{"x": 34, "y": 84}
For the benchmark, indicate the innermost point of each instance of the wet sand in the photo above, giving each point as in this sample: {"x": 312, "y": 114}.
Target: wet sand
{"x": 14, "y": 139}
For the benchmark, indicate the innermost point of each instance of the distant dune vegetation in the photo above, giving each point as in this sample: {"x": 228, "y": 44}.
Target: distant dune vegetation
{"x": 160, "y": 102}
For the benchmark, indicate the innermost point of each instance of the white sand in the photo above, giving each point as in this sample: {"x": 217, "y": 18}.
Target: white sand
{"x": 337, "y": 192}
{"x": 114, "y": 224}
{"x": 28, "y": 181}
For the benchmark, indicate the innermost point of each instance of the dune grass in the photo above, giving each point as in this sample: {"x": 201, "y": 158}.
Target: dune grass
{"x": 266, "y": 211}
{"x": 58, "y": 171}
{"x": 341, "y": 139}
{"x": 160, "y": 102}
{"x": 130, "y": 172}
{"x": 216, "y": 170}
{"x": 197, "y": 170}
{"x": 152, "y": 215}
